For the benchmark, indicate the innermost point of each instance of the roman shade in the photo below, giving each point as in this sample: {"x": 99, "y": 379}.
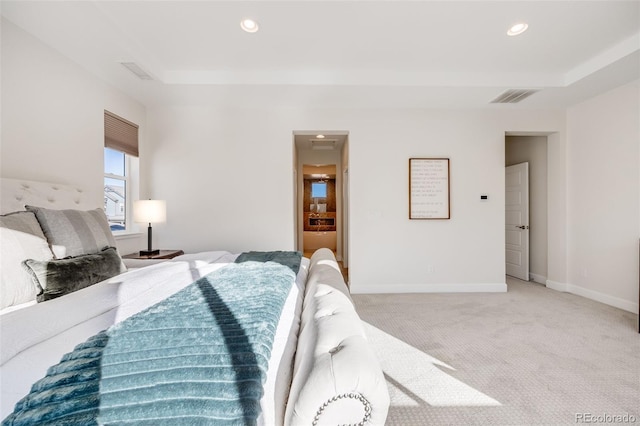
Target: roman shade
{"x": 120, "y": 134}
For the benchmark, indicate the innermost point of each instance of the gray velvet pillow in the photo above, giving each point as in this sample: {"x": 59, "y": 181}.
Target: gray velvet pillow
{"x": 55, "y": 278}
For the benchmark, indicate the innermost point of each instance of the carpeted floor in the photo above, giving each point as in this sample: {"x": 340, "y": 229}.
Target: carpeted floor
{"x": 530, "y": 356}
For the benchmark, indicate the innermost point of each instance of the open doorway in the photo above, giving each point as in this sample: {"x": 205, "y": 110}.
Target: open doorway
{"x": 321, "y": 162}
{"x": 319, "y": 208}
{"x": 532, "y": 149}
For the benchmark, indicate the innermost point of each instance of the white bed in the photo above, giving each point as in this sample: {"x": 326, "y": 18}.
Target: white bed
{"x": 37, "y": 335}
{"x": 308, "y": 382}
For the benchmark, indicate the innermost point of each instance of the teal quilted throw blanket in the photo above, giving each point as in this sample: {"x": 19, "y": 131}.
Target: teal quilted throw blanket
{"x": 199, "y": 357}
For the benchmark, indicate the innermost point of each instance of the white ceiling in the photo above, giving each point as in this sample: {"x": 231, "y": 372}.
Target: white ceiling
{"x": 346, "y": 53}
{"x": 304, "y": 140}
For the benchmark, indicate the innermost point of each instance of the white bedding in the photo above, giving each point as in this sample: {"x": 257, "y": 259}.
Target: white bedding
{"x": 36, "y": 336}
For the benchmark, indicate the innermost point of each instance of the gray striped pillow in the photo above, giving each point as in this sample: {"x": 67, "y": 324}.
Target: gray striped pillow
{"x": 74, "y": 232}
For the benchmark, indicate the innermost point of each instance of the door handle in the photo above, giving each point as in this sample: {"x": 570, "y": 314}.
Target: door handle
{"x": 522, "y": 227}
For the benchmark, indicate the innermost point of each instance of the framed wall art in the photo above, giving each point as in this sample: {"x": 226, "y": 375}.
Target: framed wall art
{"x": 429, "y": 190}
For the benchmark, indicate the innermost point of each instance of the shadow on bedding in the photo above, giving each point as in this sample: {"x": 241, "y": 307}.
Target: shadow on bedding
{"x": 52, "y": 401}
{"x": 244, "y": 362}
{"x": 194, "y": 357}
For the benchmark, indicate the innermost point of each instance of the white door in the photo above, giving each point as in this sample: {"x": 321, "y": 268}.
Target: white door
{"x": 517, "y": 220}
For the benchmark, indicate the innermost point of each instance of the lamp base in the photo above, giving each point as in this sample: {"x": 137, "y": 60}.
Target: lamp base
{"x": 149, "y": 252}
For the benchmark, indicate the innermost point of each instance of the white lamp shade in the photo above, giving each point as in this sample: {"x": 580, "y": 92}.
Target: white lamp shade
{"x": 150, "y": 211}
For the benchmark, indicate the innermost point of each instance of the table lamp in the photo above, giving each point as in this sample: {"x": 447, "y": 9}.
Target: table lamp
{"x": 149, "y": 211}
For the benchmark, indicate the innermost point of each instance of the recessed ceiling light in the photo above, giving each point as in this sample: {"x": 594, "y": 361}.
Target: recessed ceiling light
{"x": 249, "y": 25}
{"x": 517, "y": 29}
{"x": 320, "y": 136}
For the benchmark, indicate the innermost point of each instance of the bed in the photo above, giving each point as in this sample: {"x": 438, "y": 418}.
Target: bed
{"x": 143, "y": 345}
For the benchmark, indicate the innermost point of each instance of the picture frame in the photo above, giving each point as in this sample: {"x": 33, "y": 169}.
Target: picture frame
{"x": 429, "y": 188}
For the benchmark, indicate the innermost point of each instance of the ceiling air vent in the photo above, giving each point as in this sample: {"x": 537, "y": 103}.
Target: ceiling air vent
{"x": 135, "y": 68}
{"x": 513, "y": 96}
{"x": 323, "y": 144}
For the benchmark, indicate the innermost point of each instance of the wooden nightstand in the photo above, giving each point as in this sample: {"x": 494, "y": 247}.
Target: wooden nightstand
{"x": 164, "y": 254}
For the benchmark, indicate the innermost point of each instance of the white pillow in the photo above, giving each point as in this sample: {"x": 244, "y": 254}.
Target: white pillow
{"x": 21, "y": 238}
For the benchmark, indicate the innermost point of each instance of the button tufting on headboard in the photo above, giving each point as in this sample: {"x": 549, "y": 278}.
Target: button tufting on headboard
{"x": 15, "y": 194}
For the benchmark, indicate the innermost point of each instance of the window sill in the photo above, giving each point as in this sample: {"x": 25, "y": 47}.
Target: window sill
{"x": 127, "y": 235}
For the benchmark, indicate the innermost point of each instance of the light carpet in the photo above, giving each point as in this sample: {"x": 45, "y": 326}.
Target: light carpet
{"x": 530, "y": 356}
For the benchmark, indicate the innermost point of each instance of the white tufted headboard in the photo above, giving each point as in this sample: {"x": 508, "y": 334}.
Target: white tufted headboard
{"x": 16, "y": 193}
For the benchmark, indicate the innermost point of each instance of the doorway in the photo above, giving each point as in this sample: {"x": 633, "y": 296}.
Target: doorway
{"x": 319, "y": 208}
{"x": 320, "y": 192}
{"x": 531, "y": 148}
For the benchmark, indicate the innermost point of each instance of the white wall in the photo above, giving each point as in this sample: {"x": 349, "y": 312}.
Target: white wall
{"x": 53, "y": 118}
{"x": 533, "y": 149}
{"x": 603, "y": 203}
{"x": 206, "y": 163}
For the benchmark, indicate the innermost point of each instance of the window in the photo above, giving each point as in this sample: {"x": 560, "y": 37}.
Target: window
{"x": 120, "y": 169}
{"x": 115, "y": 188}
{"x": 318, "y": 189}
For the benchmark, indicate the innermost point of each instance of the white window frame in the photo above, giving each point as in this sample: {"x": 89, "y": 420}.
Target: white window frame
{"x": 130, "y": 179}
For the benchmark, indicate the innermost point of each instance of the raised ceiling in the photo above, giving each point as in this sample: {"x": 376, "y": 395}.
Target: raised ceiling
{"x": 365, "y": 54}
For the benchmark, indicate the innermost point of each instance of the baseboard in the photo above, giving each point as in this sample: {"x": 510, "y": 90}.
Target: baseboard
{"x": 616, "y": 302}
{"x": 430, "y": 288}
{"x": 554, "y": 285}
{"x": 537, "y": 278}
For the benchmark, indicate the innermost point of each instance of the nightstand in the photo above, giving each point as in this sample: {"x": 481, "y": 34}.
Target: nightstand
{"x": 164, "y": 254}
